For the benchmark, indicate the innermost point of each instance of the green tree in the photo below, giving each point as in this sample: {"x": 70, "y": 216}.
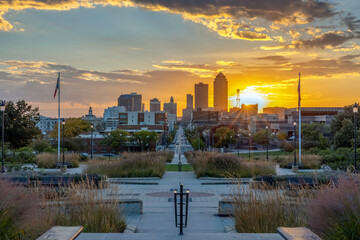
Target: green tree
{"x": 196, "y": 143}
{"x": 282, "y": 136}
{"x": 312, "y": 136}
{"x": 73, "y": 127}
{"x": 337, "y": 124}
{"x": 224, "y": 136}
{"x": 116, "y": 139}
{"x": 20, "y": 123}
{"x": 40, "y": 145}
{"x": 344, "y": 137}
{"x": 262, "y": 137}
{"x": 146, "y": 139}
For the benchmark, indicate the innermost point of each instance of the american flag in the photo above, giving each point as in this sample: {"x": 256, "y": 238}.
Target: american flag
{"x": 57, "y": 85}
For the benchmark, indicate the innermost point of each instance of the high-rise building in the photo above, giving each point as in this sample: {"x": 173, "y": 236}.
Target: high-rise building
{"x": 221, "y": 93}
{"x": 201, "y": 95}
{"x": 132, "y": 102}
{"x": 155, "y": 105}
{"x": 189, "y": 101}
{"x": 171, "y": 109}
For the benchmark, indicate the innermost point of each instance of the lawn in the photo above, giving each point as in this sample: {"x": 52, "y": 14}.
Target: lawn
{"x": 175, "y": 167}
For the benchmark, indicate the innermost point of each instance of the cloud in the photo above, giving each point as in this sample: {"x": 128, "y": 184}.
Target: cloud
{"x": 276, "y": 59}
{"x": 329, "y": 39}
{"x": 229, "y": 18}
{"x": 351, "y": 22}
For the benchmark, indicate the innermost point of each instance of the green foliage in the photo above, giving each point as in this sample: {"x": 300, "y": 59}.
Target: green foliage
{"x": 312, "y": 136}
{"x": 116, "y": 139}
{"x": 40, "y": 145}
{"x": 175, "y": 167}
{"x": 20, "y": 123}
{"x": 224, "y": 136}
{"x": 287, "y": 146}
{"x": 73, "y": 127}
{"x": 74, "y": 144}
{"x": 48, "y": 160}
{"x": 282, "y": 136}
{"x": 262, "y": 137}
{"x": 146, "y": 139}
{"x": 197, "y": 143}
{"x": 344, "y": 136}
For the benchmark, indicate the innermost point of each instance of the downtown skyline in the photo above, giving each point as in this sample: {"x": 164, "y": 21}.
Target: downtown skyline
{"x": 162, "y": 48}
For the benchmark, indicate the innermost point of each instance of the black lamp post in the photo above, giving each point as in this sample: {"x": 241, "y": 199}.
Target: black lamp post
{"x": 249, "y": 144}
{"x": 109, "y": 134}
{"x": 355, "y": 111}
{"x": 238, "y": 145}
{"x": 91, "y": 142}
{"x": 267, "y": 144}
{"x": 2, "y": 109}
{"x": 63, "y": 147}
{"x": 294, "y": 143}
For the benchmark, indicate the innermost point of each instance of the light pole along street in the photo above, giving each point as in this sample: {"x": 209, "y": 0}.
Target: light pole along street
{"x": 295, "y": 167}
{"x": 2, "y": 109}
{"x": 249, "y": 144}
{"x": 63, "y": 166}
{"x": 355, "y": 111}
{"x": 91, "y": 142}
{"x": 267, "y": 143}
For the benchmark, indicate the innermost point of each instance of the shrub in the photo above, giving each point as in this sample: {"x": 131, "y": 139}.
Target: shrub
{"x": 225, "y": 165}
{"x": 263, "y": 211}
{"x": 334, "y": 212}
{"x": 308, "y": 161}
{"x": 130, "y": 165}
{"x": 49, "y": 160}
{"x": 287, "y": 146}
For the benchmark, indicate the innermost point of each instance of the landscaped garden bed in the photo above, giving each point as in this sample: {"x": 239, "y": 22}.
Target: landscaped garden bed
{"x": 208, "y": 164}
{"x": 150, "y": 164}
{"x": 308, "y": 161}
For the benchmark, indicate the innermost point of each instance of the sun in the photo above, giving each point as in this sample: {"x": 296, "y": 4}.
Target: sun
{"x": 250, "y": 96}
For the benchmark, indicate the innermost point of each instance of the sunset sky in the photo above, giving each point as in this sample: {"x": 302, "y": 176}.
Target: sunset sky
{"x": 161, "y": 48}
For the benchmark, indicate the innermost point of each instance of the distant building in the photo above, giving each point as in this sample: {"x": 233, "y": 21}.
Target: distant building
{"x": 189, "y": 101}
{"x": 132, "y": 102}
{"x": 137, "y": 121}
{"x": 171, "y": 109}
{"x": 280, "y": 111}
{"x": 221, "y": 93}
{"x": 155, "y": 105}
{"x": 111, "y": 117}
{"x": 201, "y": 95}
{"x": 92, "y": 119}
{"x": 205, "y": 117}
{"x": 46, "y": 124}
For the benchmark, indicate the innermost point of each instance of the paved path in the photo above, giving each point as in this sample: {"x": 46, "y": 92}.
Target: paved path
{"x": 158, "y": 218}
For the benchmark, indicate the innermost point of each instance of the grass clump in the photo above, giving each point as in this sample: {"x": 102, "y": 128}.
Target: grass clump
{"x": 335, "y": 211}
{"x": 175, "y": 167}
{"x": 263, "y": 211}
{"x": 130, "y": 165}
{"x": 208, "y": 164}
{"x": 50, "y": 160}
{"x": 308, "y": 161}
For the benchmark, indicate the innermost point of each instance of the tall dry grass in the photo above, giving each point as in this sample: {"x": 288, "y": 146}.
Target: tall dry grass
{"x": 26, "y": 213}
{"x": 263, "y": 211}
{"x": 150, "y": 164}
{"x": 334, "y": 213}
{"x": 309, "y": 161}
{"x": 49, "y": 160}
{"x": 212, "y": 164}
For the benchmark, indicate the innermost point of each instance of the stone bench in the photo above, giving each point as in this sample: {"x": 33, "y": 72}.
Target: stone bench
{"x": 298, "y": 233}
{"x": 226, "y": 207}
{"x": 63, "y": 233}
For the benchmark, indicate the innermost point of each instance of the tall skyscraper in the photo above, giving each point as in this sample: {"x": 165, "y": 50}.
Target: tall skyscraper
{"x": 221, "y": 93}
{"x": 155, "y": 105}
{"x": 171, "y": 107}
{"x": 132, "y": 102}
{"x": 201, "y": 95}
{"x": 189, "y": 101}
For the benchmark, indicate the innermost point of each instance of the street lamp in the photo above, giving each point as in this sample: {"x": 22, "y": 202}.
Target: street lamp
{"x": 249, "y": 144}
{"x": 294, "y": 145}
{"x": 238, "y": 145}
{"x": 267, "y": 143}
{"x": 63, "y": 167}
{"x": 109, "y": 134}
{"x": 91, "y": 142}
{"x": 355, "y": 111}
{"x": 2, "y": 109}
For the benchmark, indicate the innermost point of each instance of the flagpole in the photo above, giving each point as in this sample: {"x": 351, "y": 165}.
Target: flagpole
{"x": 299, "y": 121}
{"x": 59, "y": 121}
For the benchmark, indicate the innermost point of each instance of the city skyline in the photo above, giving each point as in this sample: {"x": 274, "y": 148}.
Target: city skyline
{"x": 161, "y": 49}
